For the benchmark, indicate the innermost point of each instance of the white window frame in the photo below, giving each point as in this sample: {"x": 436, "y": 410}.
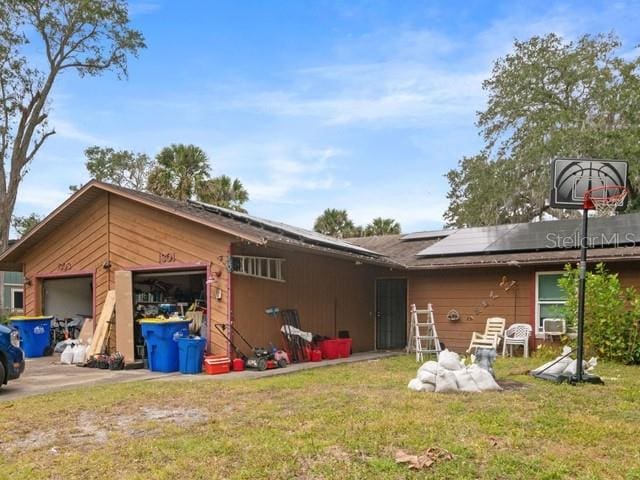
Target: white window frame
{"x": 13, "y": 299}
{"x": 538, "y": 328}
{"x": 266, "y": 268}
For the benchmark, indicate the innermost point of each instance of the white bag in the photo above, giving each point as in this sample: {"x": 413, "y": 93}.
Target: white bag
{"x": 418, "y": 386}
{"x": 430, "y": 366}
{"x": 67, "y": 355}
{"x": 446, "y": 381}
{"x": 465, "y": 381}
{"x": 556, "y": 369}
{"x": 426, "y": 377}
{"x": 484, "y": 380}
{"x": 571, "y": 368}
{"x": 449, "y": 360}
{"x": 79, "y": 354}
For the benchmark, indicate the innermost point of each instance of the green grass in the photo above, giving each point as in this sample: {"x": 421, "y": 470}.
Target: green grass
{"x": 339, "y": 422}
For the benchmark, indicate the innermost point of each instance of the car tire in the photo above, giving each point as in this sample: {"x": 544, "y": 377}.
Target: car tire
{"x": 3, "y": 374}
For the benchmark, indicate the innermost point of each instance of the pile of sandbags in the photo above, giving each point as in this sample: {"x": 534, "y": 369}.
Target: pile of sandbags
{"x": 564, "y": 364}
{"x": 449, "y": 374}
{"x": 75, "y": 352}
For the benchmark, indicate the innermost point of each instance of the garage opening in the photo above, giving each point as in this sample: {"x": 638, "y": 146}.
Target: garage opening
{"x": 165, "y": 293}
{"x": 70, "y": 301}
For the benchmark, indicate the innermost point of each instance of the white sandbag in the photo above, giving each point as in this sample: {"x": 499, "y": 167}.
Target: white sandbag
{"x": 67, "y": 355}
{"x": 426, "y": 377}
{"x": 554, "y": 367}
{"x": 80, "y": 354}
{"x": 446, "y": 381}
{"x": 449, "y": 360}
{"x": 571, "y": 368}
{"x": 430, "y": 366}
{"x": 483, "y": 379}
{"x": 417, "y": 386}
{"x": 465, "y": 381}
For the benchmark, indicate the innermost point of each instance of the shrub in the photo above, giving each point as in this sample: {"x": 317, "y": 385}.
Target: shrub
{"x": 611, "y": 325}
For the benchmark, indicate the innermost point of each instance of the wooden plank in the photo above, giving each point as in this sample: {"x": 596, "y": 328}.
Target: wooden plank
{"x": 100, "y": 335}
{"x": 124, "y": 315}
{"x": 86, "y": 333}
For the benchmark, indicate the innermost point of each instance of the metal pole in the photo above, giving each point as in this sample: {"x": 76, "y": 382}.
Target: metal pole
{"x": 581, "y": 294}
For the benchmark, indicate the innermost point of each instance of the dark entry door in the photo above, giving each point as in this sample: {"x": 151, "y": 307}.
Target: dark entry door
{"x": 391, "y": 313}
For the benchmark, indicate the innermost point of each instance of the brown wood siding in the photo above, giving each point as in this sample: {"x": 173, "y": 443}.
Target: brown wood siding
{"x": 470, "y": 292}
{"x": 138, "y": 234}
{"x": 78, "y": 246}
{"x": 329, "y": 294}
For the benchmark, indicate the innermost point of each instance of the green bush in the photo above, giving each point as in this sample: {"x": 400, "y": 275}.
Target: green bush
{"x": 612, "y": 313}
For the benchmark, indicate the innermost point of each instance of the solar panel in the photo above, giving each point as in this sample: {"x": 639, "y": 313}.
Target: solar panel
{"x": 312, "y": 236}
{"x": 467, "y": 240}
{"x": 426, "y": 235}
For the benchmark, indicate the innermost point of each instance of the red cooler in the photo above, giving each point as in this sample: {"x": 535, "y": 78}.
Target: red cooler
{"x": 329, "y": 349}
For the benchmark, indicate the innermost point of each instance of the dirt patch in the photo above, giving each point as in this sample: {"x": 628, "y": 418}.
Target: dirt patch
{"x": 508, "y": 385}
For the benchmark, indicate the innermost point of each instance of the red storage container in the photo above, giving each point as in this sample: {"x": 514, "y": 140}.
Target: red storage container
{"x": 238, "y": 365}
{"x": 216, "y": 364}
{"x": 329, "y": 349}
{"x": 344, "y": 347}
{"x": 316, "y": 355}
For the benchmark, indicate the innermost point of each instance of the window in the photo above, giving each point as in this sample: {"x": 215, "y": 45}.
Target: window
{"x": 260, "y": 267}
{"x": 17, "y": 299}
{"x": 549, "y": 297}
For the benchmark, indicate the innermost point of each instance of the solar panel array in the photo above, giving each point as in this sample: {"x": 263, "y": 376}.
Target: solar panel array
{"x": 550, "y": 235}
{"x": 427, "y": 235}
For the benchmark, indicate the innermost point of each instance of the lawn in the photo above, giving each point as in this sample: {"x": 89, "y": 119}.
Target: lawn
{"x": 340, "y": 422}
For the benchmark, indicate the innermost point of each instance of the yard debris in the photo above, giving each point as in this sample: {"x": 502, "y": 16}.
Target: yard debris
{"x": 426, "y": 460}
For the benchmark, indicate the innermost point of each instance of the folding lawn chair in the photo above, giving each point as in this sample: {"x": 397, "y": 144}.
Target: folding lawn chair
{"x": 493, "y": 332}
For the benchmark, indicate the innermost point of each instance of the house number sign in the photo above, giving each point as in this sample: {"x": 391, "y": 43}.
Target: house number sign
{"x": 64, "y": 267}
{"x": 167, "y": 257}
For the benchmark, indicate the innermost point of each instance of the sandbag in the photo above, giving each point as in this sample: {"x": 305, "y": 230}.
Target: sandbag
{"x": 80, "y": 354}
{"x": 426, "y": 377}
{"x": 67, "y": 355}
{"x": 418, "y": 386}
{"x": 465, "y": 381}
{"x": 571, "y": 368}
{"x": 430, "y": 366}
{"x": 554, "y": 367}
{"x": 449, "y": 360}
{"x": 446, "y": 381}
{"x": 483, "y": 379}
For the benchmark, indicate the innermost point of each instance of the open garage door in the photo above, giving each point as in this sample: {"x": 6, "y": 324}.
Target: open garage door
{"x": 68, "y": 297}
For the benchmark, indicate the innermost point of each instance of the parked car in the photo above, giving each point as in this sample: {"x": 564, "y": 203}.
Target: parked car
{"x": 11, "y": 356}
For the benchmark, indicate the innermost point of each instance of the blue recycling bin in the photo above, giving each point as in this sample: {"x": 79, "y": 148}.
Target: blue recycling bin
{"x": 162, "y": 348}
{"x": 35, "y": 334}
{"x": 191, "y": 353}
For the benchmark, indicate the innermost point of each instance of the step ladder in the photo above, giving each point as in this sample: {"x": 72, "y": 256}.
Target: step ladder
{"x": 423, "y": 338}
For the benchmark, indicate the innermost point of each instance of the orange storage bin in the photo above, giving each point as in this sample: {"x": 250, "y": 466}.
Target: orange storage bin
{"x": 216, "y": 364}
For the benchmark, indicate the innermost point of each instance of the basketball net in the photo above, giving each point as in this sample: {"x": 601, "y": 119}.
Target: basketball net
{"x": 605, "y": 200}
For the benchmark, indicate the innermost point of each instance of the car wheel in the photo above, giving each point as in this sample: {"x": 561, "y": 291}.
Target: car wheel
{"x": 2, "y": 374}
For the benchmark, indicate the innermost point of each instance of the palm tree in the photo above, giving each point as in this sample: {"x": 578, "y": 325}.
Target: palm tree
{"x": 179, "y": 171}
{"x": 335, "y": 223}
{"x": 382, "y": 226}
{"x": 224, "y": 192}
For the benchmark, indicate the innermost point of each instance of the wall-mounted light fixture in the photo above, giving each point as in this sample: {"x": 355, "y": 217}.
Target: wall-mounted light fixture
{"x": 106, "y": 265}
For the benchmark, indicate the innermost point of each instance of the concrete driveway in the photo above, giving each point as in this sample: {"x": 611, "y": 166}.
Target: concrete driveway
{"x": 47, "y": 374}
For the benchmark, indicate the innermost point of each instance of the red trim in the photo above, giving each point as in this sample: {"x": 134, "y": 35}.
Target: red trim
{"x": 532, "y": 310}
{"x": 83, "y": 273}
{"x": 229, "y": 302}
{"x": 168, "y": 267}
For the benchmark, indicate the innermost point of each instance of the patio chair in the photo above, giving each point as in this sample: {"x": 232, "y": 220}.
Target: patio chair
{"x": 493, "y": 331}
{"x": 517, "y": 334}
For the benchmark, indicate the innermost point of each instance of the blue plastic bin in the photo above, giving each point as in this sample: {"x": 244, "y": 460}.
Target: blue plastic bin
{"x": 191, "y": 352}
{"x": 162, "y": 349}
{"x": 35, "y": 334}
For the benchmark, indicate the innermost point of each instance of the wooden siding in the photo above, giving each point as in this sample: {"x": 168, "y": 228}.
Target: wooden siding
{"x": 329, "y": 294}
{"x": 470, "y": 292}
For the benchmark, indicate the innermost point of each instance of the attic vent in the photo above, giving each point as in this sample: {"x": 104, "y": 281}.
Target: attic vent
{"x": 259, "y": 267}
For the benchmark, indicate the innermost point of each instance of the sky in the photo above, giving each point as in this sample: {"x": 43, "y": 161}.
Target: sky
{"x": 358, "y": 105}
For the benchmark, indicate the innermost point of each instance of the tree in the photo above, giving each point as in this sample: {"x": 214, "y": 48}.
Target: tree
{"x": 382, "y": 226}
{"x": 24, "y": 225}
{"x": 120, "y": 167}
{"x": 224, "y": 192}
{"x": 336, "y": 223}
{"x": 179, "y": 172}
{"x": 548, "y": 98}
{"x": 87, "y": 37}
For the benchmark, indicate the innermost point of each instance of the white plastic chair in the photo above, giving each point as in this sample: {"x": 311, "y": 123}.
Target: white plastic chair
{"x": 517, "y": 334}
{"x": 491, "y": 337}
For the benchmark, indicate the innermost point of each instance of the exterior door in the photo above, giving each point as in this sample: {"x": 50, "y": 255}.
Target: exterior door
{"x": 391, "y": 313}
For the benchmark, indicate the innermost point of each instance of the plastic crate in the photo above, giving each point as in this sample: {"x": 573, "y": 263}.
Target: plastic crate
{"x": 344, "y": 347}
{"x": 329, "y": 349}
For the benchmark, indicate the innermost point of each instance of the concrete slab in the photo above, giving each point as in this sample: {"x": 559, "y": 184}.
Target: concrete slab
{"x": 46, "y": 374}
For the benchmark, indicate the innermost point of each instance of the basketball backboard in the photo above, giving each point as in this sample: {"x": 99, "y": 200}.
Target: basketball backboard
{"x": 572, "y": 178}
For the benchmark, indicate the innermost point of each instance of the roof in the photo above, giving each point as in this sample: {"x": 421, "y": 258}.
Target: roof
{"x": 242, "y": 226}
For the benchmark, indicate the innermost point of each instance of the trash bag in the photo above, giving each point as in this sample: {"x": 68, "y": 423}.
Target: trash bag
{"x": 449, "y": 360}
{"x": 67, "y": 355}
{"x": 80, "y": 354}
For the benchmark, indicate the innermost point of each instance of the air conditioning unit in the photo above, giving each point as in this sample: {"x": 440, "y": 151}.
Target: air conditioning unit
{"x": 554, "y": 326}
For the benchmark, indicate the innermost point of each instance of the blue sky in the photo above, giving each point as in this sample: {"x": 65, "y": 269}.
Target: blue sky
{"x": 361, "y": 105}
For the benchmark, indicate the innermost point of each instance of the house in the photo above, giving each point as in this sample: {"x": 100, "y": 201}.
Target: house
{"x": 164, "y": 255}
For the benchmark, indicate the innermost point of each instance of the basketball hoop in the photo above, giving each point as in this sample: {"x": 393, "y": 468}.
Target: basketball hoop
{"x": 605, "y": 200}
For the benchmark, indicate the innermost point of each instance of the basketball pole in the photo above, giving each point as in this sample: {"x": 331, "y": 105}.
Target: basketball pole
{"x": 582, "y": 283}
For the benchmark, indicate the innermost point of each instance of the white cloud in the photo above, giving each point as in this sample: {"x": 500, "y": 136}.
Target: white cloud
{"x": 68, "y": 130}
{"x": 41, "y": 198}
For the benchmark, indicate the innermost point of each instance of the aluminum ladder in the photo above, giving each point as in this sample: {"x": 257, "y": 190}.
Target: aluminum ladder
{"x": 423, "y": 338}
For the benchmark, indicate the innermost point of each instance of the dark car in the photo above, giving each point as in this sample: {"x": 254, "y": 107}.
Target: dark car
{"x": 11, "y": 356}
